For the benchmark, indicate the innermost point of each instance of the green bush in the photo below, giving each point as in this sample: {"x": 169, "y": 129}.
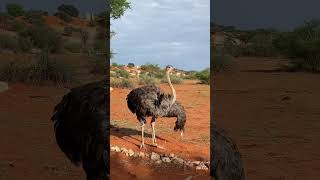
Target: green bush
{"x": 18, "y": 26}
{"x": 302, "y": 46}
{"x": 9, "y": 42}
{"x": 69, "y": 10}
{"x": 121, "y": 83}
{"x": 204, "y": 76}
{"x": 43, "y": 38}
{"x": 15, "y": 10}
{"x": 63, "y": 16}
{"x": 37, "y": 72}
{"x": 121, "y": 73}
{"x": 35, "y": 17}
{"x": 145, "y": 79}
{"x": 174, "y": 80}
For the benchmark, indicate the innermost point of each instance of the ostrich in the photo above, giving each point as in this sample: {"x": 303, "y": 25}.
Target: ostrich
{"x": 149, "y": 101}
{"x": 81, "y": 128}
{"x": 227, "y": 163}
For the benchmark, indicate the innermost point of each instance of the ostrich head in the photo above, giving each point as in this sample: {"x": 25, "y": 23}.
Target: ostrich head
{"x": 169, "y": 69}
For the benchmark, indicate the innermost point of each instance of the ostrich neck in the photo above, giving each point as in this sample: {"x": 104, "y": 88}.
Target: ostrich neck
{"x": 173, "y": 91}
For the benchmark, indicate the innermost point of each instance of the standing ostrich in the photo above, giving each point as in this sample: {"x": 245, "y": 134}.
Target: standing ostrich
{"x": 151, "y": 101}
{"x": 81, "y": 127}
{"x": 227, "y": 163}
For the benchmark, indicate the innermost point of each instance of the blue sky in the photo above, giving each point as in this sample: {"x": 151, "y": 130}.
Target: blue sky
{"x": 175, "y": 32}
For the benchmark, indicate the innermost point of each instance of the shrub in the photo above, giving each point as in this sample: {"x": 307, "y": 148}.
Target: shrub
{"x": 121, "y": 83}
{"x": 15, "y": 10}
{"x": 220, "y": 60}
{"x": 302, "y": 46}
{"x": 37, "y": 72}
{"x": 35, "y": 17}
{"x": 174, "y": 80}
{"x": 43, "y": 38}
{"x": 25, "y": 44}
{"x": 145, "y": 79}
{"x": 8, "y": 42}
{"x": 69, "y": 10}
{"x": 204, "y": 76}
{"x": 63, "y": 16}
{"x": 121, "y": 73}
{"x": 18, "y": 26}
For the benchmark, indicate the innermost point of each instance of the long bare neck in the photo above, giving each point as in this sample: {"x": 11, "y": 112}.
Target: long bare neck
{"x": 173, "y": 91}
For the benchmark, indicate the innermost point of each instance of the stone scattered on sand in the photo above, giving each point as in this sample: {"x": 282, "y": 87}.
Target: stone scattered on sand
{"x": 177, "y": 160}
{"x": 155, "y": 156}
{"x": 189, "y": 178}
{"x": 166, "y": 159}
{"x": 158, "y": 162}
{"x": 117, "y": 149}
{"x": 130, "y": 152}
{"x": 171, "y": 155}
{"x": 123, "y": 150}
{"x": 141, "y": 154}
{"x": 196, "y": 162}
{"x": 201, "y": 166}
{"x": 189, "y": 164}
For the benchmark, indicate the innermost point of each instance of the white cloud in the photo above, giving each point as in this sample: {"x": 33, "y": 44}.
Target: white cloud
{"x": 164, "y": 31}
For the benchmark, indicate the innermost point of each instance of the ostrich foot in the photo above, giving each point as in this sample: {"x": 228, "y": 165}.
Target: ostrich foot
{"x": 141, "y": 146}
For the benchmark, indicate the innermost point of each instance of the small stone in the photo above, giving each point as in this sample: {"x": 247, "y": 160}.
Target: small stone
{"x": 117, "y": 149}
{"x": 158, "y": 162}
{"x": 147, "y": 155}
{"x": 177, "y": 160}
{"x": 166, "y": 159}
{"x": 189, "y": 164}
{"x": 196, "y": 162}
{"x": 189, "y": 178}
{"x": 171, "y": 155}
{"x": 11, "y": 164}
{"x": 124, "y": 150}
{"x": 141, "y": 154}
{"x": 201, "y": 166}
{"x": 155, "y": 156}
{"x": 207, "y": 164}
{"x": 130, "y": 152}
{"x": 135, "y": 155}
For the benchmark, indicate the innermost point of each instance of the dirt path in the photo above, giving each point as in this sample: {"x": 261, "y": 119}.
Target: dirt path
{"x": 125, "y": 130}
{"x": 274, "y": 118}
{"x": 28, "y": 148}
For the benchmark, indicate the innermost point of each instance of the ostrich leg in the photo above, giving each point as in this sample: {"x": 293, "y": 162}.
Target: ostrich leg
{"x": 142, "y": 121}
{"x": 153, "y": 122}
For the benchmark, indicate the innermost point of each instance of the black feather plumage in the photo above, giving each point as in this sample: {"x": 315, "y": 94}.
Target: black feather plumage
{"x": 81, "y": 126}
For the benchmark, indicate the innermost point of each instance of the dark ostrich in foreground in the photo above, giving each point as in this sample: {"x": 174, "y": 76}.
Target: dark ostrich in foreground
{"x": 81, "y": 127}
{"x": 227, "y": 163}
{"x": 150, "y": 101}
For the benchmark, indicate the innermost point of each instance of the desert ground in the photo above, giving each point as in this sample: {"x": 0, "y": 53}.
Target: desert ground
{"x": 273, "y": 116}
{"x": 125, "y": 132}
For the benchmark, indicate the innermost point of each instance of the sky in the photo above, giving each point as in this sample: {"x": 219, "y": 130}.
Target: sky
{"x": 175, "y": 32}
{"x": 51, "y": 5}
{"x": 251, "y": 14}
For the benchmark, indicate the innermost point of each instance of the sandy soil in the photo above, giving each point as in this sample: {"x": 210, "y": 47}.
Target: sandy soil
{"x": 273, "y": 116}
{"x": 125, "y": 131}
{"x": 28, "y": 147}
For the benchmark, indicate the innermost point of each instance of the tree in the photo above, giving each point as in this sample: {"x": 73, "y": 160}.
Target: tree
{"x": 118, "y": 7}
{"x": 131, "y": 65}
{"x": 15, "y": 10}
{"x": 69, "y": 9}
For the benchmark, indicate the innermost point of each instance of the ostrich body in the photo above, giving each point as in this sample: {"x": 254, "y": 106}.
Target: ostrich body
{"x": 150, "y": 101}
{"x": 227, "y": 163}
{"x": 81, "y": 128}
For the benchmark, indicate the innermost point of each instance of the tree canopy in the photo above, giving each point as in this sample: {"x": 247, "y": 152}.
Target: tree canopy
{"x": 118, "y": 7}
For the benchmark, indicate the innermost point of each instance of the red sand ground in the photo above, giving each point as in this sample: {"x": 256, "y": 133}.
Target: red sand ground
{"x": 195, "y": 145}
{"x": 274, "y": 118}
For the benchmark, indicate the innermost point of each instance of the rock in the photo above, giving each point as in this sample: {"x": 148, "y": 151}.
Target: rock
{"x": 189, "y": 164}
{"x": 117, "y": 149}
{"x": 177, "y": 160}
{"x": 196, "y": 162}
{"x": 189, "y": 178}
{"x": 201, "y": 166}
{"x": 158, "y": 162}
{"x": 155, "y": 156}
{"x": 135, "y": 155}
{"x": 3, "y": 86}
{"x": 130, "y": 152}
{"x": 171, "y": 155}
{"x": 207, "y": 164}
{"x": 124, "y": 150}
{"x": 141, "y": 154}
{"x": 11, "y": 164}
{"x": 166, "y": 159}
{"x": 147, "y": 155}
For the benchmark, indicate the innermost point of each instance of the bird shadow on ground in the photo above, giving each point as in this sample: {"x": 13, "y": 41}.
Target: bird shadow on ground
{"x": 121, "y": 132}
